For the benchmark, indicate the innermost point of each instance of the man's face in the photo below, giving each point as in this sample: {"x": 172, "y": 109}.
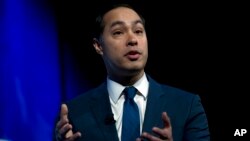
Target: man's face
{"x": 123, "y": 42}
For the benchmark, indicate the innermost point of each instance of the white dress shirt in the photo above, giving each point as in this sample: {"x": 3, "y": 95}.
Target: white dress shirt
{"x": 116, "y": 98}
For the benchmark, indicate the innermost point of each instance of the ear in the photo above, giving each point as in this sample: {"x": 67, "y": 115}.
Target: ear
{"x": 98, "y": 47}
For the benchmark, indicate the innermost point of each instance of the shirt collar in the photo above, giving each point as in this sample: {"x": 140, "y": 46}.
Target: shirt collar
{"x": 115, "y": 89}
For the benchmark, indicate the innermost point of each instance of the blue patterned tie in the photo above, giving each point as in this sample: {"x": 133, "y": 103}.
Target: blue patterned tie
{"x": 131, "y": 117}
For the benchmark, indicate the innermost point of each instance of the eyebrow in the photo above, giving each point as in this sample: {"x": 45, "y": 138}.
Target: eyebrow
{"x": 123, "y": 23}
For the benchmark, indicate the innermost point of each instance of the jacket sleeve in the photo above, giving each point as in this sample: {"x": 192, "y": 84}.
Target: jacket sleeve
{"x": 196, "y": 127}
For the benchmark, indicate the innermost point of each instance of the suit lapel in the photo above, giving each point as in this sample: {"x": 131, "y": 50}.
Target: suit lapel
{"x": 154, "y": 106}
{"x": 101, "y": 109}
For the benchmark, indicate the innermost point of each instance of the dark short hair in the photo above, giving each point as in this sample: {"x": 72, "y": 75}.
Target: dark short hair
{"x": 99, "y": 24}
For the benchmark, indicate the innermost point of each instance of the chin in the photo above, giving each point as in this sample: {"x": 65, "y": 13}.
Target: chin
{"x": 134, "y": 70}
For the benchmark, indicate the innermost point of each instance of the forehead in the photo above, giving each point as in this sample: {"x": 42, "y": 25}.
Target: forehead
{"x": 123, "y": 14}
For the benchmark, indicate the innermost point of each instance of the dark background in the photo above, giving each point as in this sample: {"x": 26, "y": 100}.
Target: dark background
{"x": 200, "y": 47}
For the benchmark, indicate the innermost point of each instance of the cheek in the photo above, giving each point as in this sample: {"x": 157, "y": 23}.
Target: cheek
{"x": 112, "y": 53}
{"x": 114, "y": 47}
{"x": 144, "y": 46}
{"x": 145, "y": 42}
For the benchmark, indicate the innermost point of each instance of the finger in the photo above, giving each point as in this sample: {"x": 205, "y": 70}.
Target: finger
{"x": 65, "y": 129}
{"x": 138, "y": 139}
{"x": 64, "y": 111}
{"x": 161, "y": 132}
{"x": 75, "y": 136}
{"x": 166, "y": 120}
{"x": 63, "y": 117}
{"x": 69, "y": 134}
{"x": 150, "y": 137}
{"x": 61, "y": 123}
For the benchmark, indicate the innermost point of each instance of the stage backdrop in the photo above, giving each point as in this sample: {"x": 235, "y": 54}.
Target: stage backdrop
{"x": 30, "y": 76}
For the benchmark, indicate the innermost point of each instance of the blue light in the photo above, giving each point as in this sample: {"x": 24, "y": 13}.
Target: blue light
{"x": 29, "y": 71}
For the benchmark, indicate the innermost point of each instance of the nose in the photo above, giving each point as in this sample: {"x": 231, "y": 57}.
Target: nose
{"x": 132, "y": 40}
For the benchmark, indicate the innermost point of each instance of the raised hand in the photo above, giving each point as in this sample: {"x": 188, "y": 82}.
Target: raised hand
{"x": 64, "y": 128}
{"x": 164, "y": 134}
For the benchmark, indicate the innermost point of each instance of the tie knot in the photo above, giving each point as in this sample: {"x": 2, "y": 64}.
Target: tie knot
{"x": 130, "y": 92}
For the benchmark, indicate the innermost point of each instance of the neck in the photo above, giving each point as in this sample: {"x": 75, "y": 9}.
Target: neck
{"x": 126, "y": 80}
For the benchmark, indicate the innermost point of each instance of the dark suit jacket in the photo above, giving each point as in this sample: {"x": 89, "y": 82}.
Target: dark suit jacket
{"x": 90, "y": 113}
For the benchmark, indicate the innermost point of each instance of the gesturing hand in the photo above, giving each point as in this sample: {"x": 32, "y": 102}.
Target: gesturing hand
{"x": 165, "y": 134}
{"x": 64, "y": 128}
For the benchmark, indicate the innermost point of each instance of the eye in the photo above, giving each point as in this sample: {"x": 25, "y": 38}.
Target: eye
{"x": 138, "y": 31}
{"x": 117, "y": 33}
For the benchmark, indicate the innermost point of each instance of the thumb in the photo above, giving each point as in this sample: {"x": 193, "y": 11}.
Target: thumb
{"x": 166, "y": 119}
{"x": 64, "y": 111}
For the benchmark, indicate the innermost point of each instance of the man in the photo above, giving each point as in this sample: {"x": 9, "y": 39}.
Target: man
{"x": 165, "y": 113}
